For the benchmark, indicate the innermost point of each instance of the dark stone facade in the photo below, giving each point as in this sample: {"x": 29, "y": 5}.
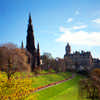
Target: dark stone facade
{"x": 38, "y": 55}
{"x": 30, "y": 45}
{"x": 77, "y": 60}
{"x": 22, "y": 45}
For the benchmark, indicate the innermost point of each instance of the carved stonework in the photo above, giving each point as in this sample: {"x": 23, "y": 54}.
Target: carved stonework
{"x": 38, "y": 55}
{"x": 22, "y": 45}
{"x": 67, "y": 49}
{"x": 30, "y": 44}
{"x": 77, "y": 60}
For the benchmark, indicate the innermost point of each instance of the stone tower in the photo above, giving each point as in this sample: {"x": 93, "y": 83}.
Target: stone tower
{"x": 38, "y": 55}
{"x": 30, "y": 43}
{"x": 68, "y": 49}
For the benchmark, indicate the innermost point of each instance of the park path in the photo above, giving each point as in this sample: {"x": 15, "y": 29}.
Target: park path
{"x": 54, "y": 83}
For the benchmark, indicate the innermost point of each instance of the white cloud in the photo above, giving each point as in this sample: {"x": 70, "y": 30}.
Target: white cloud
{"x": 96, "y": 20}
{"x": 69, "y": 20}
{"x": 79, "y": 37}
{"x": 77, "y": 12}
{"x": 79, "y": 27}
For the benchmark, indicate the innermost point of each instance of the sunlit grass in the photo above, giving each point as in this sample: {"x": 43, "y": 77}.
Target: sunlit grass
{"x": 21, "y": 85}
{"x": 68, "y": 90}
{"x": 47, "y": 79}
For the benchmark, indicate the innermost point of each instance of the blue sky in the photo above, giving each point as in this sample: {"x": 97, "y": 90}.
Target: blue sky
{"x": 55, "y": 23}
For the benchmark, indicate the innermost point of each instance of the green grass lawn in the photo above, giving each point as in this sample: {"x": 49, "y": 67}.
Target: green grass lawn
{"x": 42, "y": 80}
{"x": 64, "y": 91}
{"x": 39, "y": 80}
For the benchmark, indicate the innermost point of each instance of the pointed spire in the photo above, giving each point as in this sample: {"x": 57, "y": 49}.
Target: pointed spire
{"x": 22, "y": 45}
{"x": 68, "y": 49}
{"x": 38, "y": 55}
{"x": 68, "y": 43}
{"x": 38, "y": 47}
{"x": 30, "y": 43}
{"x": 30, "y": 20}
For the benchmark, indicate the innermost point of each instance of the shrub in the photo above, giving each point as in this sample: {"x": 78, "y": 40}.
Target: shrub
{"x": 90, "y": 87}
{"x": 15, "y": 89}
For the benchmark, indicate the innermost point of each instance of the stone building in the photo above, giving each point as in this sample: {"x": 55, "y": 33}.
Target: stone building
{"x": 96, "y": 63}
{"x": 34, "y": 58}
{"x": 78, "y": 60}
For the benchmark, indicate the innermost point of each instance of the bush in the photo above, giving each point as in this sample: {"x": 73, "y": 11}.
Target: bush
{"x": 51, "y": 70}
{"x": 90, "y": 87}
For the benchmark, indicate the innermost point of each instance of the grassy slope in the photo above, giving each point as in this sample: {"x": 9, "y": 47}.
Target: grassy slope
{"x": 40, "y": 80}
{"x": 71, "y": 93}
{"x": 47, "y": 79}
{"x": 64, "y": 91}
{"x": 37, "y": 81}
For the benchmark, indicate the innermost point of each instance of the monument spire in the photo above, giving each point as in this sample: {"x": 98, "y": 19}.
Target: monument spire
{"x": 22, "y": 45}
{"x": 30, "y": 20}
{"x": 38, "y": 55}
{"x": 30, "y": 42}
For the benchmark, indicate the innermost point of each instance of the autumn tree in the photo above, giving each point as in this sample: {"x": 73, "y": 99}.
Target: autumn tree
{"x": 10, "y": 71}
{"x": 46, "y": 58}
{"x": 18, "y": 58}
{"x": 9, "y": 45}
